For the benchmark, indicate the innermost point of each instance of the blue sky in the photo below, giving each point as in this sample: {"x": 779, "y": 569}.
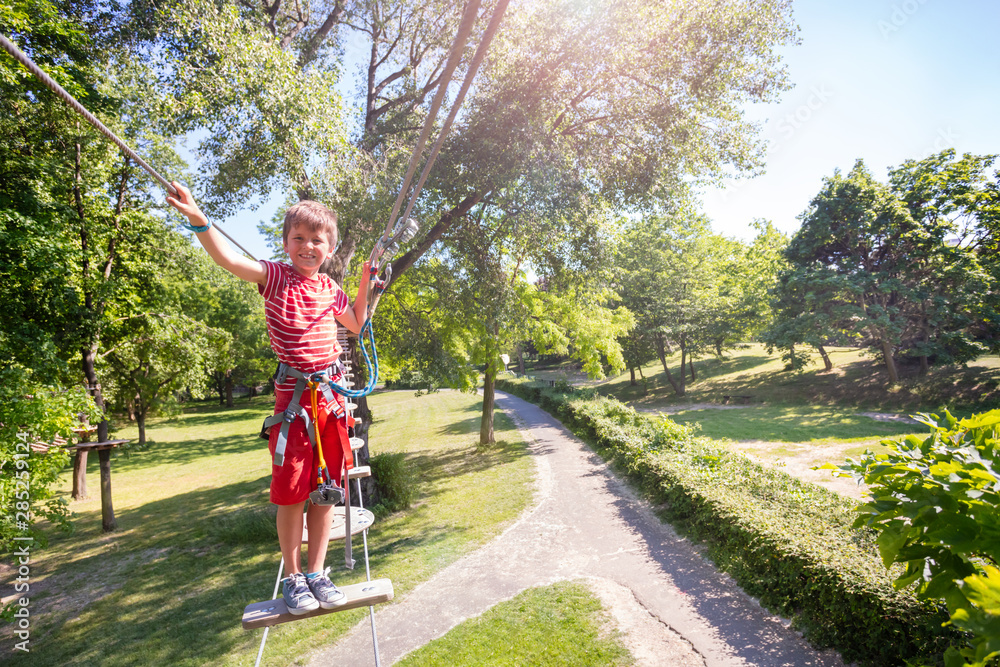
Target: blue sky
{"x": 880, "y": 80}
{"x": 884, "y": 81}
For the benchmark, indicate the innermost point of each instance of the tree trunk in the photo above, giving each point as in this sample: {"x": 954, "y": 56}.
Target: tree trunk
{"x": 679, "y": 387}
{"x": 694, "y": 378}
{"x": 827, "y": 364}
{"x": 645, "y": 384}
{"x": 890, "y": 363}
{"x": 520, "y": 360}
{"x": 661, "y": 352}
{"x": 486, "y": 436}
{"x": 88, "y": 355}
{"x": 229, "y": 389}
{"x": 140, "y": 418}
{"x": 660, "y": 343}
{"x": 926, "y": 338}
{"x": 632, "y": 381}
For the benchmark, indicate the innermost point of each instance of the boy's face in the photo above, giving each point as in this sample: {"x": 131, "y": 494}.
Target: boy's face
{"x": 307, "y": 249}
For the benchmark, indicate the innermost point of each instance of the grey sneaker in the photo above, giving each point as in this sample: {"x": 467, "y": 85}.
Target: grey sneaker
{"x": 328, "y": 595}
{"x": 298, "y": 598}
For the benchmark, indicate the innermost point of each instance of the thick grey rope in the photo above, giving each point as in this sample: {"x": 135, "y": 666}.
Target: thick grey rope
{"x": 464, "y": 30}
{"x": 51, "y": 84}
{"x": 477, "y": 60}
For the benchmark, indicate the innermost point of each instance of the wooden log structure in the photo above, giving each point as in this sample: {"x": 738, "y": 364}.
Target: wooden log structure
{"x": 108, "y": 521}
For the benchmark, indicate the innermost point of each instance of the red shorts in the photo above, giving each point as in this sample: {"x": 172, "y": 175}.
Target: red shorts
{"x": 292, "y": 482}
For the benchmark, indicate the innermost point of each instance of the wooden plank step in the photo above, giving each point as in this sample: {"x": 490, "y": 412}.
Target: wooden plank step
{"x": 274, "y": 612}
{"x": 357, "y": 443}
{"x": 351, "y": 406}
{"x": 360, "y": 471}
{"x": 361, "y": 519}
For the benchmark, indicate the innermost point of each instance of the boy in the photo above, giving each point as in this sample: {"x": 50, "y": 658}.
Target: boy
{"x": 299, "y": 302}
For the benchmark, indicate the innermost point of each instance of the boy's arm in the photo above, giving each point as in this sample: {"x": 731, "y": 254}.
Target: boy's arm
{"x": 213, "y": 242}
{"x": 354, "y": 317}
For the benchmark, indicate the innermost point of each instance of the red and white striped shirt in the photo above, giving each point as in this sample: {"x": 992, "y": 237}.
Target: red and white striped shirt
{"x": 299, "y": 313}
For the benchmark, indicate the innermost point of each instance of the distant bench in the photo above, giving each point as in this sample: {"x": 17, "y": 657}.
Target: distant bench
{"x": 743, "y": 400}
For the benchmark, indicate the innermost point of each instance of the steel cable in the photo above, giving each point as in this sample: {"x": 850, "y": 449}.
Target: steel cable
{"x": 52, "y": 85}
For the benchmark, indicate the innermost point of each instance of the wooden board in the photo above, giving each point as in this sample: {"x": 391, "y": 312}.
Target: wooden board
{"x": 274, "y": 612}
{"x": 107, "y": 444}
{"x": 351, "y": 406}
{"x": 357, "y": 443}
{"x": 361, "y": 519}
{"x": 359, "y": 472}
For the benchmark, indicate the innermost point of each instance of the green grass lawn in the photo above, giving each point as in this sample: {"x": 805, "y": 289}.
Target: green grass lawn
{"x": 815, "y": 424}
{"x": 562, "y": 624}
{"x": 169, "y": 587}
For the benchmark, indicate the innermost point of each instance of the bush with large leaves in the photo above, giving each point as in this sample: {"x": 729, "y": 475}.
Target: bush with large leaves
{"x": 936, "y": 506}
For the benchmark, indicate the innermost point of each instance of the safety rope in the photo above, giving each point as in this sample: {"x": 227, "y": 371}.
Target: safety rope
{"x": 477, "y": 60}
{"x": 52, "y": 85}
{"x": 464, "y": 30}
{"x": 371, "y": 363}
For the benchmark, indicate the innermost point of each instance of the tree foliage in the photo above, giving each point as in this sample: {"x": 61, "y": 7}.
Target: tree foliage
{"x": 900, "y": 266}
{"x": 691, "y": 288}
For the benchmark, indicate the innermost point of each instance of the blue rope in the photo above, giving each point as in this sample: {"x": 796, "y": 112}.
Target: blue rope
{"x": 372, "y": 366}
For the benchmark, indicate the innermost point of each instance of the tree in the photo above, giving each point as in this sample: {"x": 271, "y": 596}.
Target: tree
{"x": 161, "y": 355}
{"x": 62, "y": 179}
{"x": 671, "y": 279}
{"x": 858, "y": 237}
{"x": 808, "y": 309}
{"x": 202, "y": 290}
{"x": 953, "y": 200}
{"x": 747, "y": 273}
{"x": 899, "y": 265}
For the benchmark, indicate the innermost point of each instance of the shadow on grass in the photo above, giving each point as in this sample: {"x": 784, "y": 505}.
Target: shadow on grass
{"x": 433, "y": 466}
{"x": 157, "y": 453}
{"x": 171, "y": 592}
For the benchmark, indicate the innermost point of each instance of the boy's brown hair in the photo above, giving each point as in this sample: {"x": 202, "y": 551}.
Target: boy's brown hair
{"x": 313, "y": 216}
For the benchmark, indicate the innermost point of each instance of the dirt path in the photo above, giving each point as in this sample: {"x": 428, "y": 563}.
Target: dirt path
{"x": 798, "y": 460}
{"x": 673, "y": 607}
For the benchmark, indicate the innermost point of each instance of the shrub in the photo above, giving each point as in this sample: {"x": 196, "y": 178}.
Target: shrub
{"x": 788, "y": 542}
{"x": 394, "y": 483}
{"x": 936, "y": 507}
{"x": 30, "y": 412}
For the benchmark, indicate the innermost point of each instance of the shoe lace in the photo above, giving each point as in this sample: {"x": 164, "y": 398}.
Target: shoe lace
{"x": 298, "y": 585}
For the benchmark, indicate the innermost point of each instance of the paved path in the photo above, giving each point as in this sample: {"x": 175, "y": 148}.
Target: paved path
{"x": 674, "y": 607}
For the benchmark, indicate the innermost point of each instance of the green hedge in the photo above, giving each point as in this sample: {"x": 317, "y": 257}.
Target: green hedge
{"x": 787, "y": 542}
